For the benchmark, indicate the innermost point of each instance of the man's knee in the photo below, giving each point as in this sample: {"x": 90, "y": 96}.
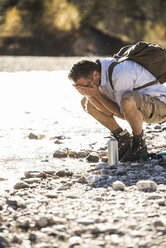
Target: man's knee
{"x": 127, "y": 101}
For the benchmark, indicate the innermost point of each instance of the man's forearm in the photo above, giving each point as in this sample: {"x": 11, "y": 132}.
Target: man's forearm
{"x": 110, "y": 105}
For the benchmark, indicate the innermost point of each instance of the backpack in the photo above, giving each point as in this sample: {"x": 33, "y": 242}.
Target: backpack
{"x": 151, "y": 56}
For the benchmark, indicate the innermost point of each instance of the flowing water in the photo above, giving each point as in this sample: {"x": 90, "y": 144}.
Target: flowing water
{"x": 37, "y": 97}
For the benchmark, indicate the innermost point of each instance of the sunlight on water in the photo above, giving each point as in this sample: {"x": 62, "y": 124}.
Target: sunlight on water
{"x": 43, "y": 103}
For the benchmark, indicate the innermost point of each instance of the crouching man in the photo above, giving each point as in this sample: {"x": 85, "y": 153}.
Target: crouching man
{"x": 91, "y": 79}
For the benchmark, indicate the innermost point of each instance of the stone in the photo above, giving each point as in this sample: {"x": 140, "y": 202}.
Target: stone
{"x": 158, "y": 168}
{"x": 4, "y": 243}
{"x": 32, "y": 180}
{"x": 21, "y": 185}
{"x": 157, "y": 127}
{"x": 146, "y": 185}
{"x": 33, "y": 136}
{"x": 92, "y": 157}
{"x": 42, "y": 222}
{"x": 57, "y": 220}
{"x": 33, "y": 174}
{"x": 60, "y": 154}
{"x": 118, "y": 185}
{"x": 82, "y": 180}
{"x": 61, "y": 173}
{"x": 154, "y": 196}
{"x": 52, "y": 195}
{"x": 93, "y": 179}
{"x": 104, "y": 159}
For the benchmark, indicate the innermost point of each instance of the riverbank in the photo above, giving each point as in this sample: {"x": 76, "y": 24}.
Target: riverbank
{"x": 57, "y": 189}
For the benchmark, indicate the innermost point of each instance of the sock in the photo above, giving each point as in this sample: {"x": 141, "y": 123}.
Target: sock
{"x": 140, "y": 136}
{"x": 117, "y": 131}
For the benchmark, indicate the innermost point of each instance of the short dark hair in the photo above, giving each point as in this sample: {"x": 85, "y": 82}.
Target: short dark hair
{"x": 83, "y": 68}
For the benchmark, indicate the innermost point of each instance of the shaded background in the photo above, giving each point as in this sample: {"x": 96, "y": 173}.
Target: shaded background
{"x": 78, "y": 27}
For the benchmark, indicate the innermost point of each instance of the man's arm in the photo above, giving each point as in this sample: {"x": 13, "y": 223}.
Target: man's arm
{"x": 94, "y": 92}
{"x": 110, "y": 105}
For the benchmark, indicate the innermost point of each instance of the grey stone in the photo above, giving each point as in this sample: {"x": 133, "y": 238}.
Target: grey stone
{"x": 4, "y": 242}
{"x": 146, "y": 185}
{"x": 92, "y": 157}
{"x": 21, "y": 185}
{"x": 118, "y": 185}
{"x": 158, "y": 168}
{"x": 60, "y": 154}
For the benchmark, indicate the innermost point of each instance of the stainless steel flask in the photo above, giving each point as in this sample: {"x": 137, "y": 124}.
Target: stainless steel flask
{"x": 113, "y": 156}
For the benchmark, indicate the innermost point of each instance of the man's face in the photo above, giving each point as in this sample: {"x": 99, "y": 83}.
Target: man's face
{"x": 89, "y": 82}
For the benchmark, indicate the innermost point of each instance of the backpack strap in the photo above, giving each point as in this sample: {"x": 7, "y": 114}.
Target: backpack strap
{"x": 111, "y": 67}
{"x": 113, "y": 64}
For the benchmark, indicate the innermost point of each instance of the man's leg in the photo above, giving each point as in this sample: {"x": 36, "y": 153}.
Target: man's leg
{"x": 135, "y": 118}
{"x": 106, "y": 118}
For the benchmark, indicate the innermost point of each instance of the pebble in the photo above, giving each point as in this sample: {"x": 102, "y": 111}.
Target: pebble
{"x": 42, "y": 222}
{"x": 33, "y": 174}
{"x": 32, "y": 180}
{"x": 21, "y": 185}
{"x": 33, "y": 136}
{"x": 92, "y": 157}
{"x": 146, "y": 185}
{"x": 117, "y": 185}
{"x": 158, "y": 168}
{"x": 52, "y": 195}
{"x": 4, "y": 243}
{"x": 60, "y": 154}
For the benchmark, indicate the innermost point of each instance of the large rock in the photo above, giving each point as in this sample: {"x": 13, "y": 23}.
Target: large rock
{"x": 118, "y": 185}
{"x": 4, "y": 243}
{"x": 60, "y": 154}
{"x": 21, "y": 185}
{"x": 146, "y": 185}
{"x": 92, "y": 157}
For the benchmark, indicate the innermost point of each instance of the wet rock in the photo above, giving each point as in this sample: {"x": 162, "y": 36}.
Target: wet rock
{"x": 33, "y": 136}
{"x": 33, "y": 174}
{"x": 16, "y": 240}
{"x": 21, "y": 185}
{"x": 60, "y": 154}
{"x": 52, "y": 195}
{"x": 82, "y": 180}
{"x": 157, "y": 127}
{"x": 154, "y": 196}
{"x": 158, "y": 168}
{"x": 3, "y": 179}
{"x": 92, "y": 157}
{"x": 74, "y": 154}
{"x": 32, "y": 180}
{"x": 42, "y": 222}
{"x": 61, "y": 173}
{"x": 74, "y": 241}
{"x": 32, "y": 237}
{"x": 4, "y": 243}
{"x": 104, "y": 159}
{"x": 57, "y": 220}
{"x": 93, "y": 179}
{"x": 146, "y": 185}
{"x": 117, "y": 185}
{"x": 23, "y": 223}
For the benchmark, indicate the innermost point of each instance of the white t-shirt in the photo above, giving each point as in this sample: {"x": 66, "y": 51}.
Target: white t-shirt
{"x": 126, "y": 76}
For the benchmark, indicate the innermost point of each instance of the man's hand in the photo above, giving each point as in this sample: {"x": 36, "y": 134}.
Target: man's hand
{"x": 92, "y": 90}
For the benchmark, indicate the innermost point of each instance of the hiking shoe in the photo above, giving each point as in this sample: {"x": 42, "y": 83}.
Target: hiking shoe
{"x": 137, "y": 151}
{"x": 124, "y": 142}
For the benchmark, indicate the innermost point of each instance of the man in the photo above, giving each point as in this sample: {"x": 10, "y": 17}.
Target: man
{"x": 91, "y": 79}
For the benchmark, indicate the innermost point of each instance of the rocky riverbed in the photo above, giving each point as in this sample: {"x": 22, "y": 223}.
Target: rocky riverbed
{"x": 104, "y": 206}
{"x": 56, "y": 188}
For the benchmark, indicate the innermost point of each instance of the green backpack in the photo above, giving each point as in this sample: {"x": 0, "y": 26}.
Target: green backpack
{"x": 150, "y": 56}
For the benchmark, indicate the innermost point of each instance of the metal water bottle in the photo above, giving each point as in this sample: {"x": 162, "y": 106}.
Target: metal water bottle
{"x": 113, "y": 156}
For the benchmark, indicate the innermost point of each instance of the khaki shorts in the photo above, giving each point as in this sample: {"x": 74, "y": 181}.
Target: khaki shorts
{"x": 153, "y": 110}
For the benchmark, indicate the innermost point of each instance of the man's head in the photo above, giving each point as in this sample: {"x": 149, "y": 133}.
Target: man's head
{"x": 84, "y": 72}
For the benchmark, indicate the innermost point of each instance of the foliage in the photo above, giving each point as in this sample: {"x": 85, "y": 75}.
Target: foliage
{"x": 130, "y": 20}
